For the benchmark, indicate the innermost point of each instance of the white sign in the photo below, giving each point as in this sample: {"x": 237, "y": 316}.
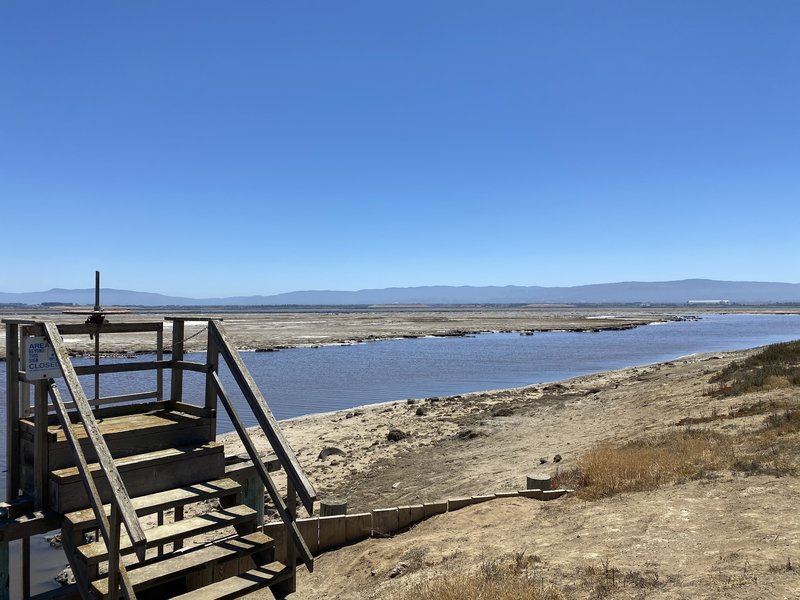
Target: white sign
{"x": 39, "y": 359}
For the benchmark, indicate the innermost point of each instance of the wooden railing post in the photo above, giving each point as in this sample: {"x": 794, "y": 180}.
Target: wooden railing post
{"x": 176, "y": 385}
{"x": 40, "y": 457}
{"x": 212, "y": 359}
{"x": 160, "y": 357}
{"x": 12, "y": 411}
{"x": 291, "y": 552}
{"x": 113, "y": 553}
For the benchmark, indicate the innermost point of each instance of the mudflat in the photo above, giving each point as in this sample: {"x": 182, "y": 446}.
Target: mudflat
{"x": 276, "y": 330}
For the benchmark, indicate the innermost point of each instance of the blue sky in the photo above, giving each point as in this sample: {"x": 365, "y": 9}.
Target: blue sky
{"x": 219, "y": 148}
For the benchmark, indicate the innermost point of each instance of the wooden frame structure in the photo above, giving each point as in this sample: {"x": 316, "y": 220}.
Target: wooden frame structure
{"x": 35, "y": 409}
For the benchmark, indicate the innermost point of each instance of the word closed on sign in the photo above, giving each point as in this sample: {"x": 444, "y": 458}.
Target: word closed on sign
{"x": 39, "y": 359}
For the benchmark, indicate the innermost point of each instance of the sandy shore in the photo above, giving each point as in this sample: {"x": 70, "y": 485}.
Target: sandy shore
{"x": 719, "y": 538}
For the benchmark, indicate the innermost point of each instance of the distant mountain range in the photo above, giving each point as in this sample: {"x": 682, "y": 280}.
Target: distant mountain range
{"x": 658, "y": 292}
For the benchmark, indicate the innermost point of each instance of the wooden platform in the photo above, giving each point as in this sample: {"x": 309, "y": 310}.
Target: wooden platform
{"x": 125, "y": 435}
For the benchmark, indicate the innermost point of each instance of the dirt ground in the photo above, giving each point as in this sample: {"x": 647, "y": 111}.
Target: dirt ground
{"x": 726, "y": 536}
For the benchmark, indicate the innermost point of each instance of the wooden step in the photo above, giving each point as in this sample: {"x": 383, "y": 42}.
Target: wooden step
{"x": 233, "y": 587}
{"x": 142, "y": 474}
{"x": 145, "y": 505}
{"x": 184, "y": 563}
{"x": 96, "y": 552}
{"x": 125, "y": 435}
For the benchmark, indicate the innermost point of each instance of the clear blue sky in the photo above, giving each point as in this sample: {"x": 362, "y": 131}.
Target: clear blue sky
{"x": 219, "y": 148}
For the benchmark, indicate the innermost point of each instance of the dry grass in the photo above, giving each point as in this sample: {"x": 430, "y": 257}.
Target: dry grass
{"x": 514, "y": 579}
{"x": 776, "y": 366}
{"x": 645, "y": 464}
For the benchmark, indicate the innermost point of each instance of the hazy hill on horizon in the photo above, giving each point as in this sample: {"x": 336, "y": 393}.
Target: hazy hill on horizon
{"x": 658, "y": 292}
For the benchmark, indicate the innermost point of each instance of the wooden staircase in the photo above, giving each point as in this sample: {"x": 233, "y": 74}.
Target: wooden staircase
{"x": 147, "y": 505}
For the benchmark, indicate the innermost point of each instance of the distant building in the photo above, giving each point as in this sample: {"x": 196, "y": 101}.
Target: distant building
{"x": 709, "y": 302}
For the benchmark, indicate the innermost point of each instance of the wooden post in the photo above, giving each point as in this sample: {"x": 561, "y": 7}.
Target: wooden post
{"x": 5, "y": 569}
{"x": 178, "y": 544}
{"x": 290, "y": 585}
{"x": 26, "y": 567}
{"x": 12, "y": 411}
{"x": 176, "y": 393}
{"x": 253, "y": 496}
{"x": 113, "y": 553}
{"x": 159, "y": 357}
{"x": 40, "y": 458}
{"x": 212, "y": 354}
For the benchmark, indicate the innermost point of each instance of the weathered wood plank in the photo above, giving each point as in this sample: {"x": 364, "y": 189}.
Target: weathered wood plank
{"x": 264, "y": 416}
{"x": 261, "y": 470}
{"x": 96, "y": 552}
{"x": 143, "y": 474}
{"x": 122, "y": 367}
{"x": 130, "y": 327}
{"x": 168, "y": 499}
{"x": 91, "y": 490}
{"x": 233, "y": 587}
{"x": 121, "y": 497}
{"x": 153, "y": 574}
{"x": 176, "y": 384}
{"x": 12, "y": 410}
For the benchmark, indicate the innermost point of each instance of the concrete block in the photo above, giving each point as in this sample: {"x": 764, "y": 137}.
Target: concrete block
{"x": 536, "y": 494}
{"x": 479, "y": 499}
{"x": 552, "y": 494}
{"x": 409, "y": 515}
{"x": 358, "y": 527}
{"x": 506, "y": 494}
{"x": 538, "y": 481}
{"x": 434, "y": 508}
{"x": 309, "y": 529}
{"x": 456, "y": 503}
{"x": 385, "y": 521}
{"x": 332, "y": 532}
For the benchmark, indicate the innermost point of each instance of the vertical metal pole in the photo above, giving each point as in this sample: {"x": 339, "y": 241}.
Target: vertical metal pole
{"x": 97, "y": 336}
{"x": 12, "y": 411}
{"x": 176, "y": 391}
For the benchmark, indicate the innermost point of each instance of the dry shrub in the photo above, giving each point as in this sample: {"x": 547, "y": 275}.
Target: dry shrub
{"x": 645, "y": 464}
{"x": 498, "y": 580}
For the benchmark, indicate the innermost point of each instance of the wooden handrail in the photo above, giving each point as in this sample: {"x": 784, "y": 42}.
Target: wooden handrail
{"x": 120, "y": 497}
{"x": 274, "y": 495}
{"x": 263, "y": 415}
{"x": 108, "y": 529}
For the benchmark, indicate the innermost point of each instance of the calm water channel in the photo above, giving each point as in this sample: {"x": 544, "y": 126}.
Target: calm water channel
{"x": 302, "y": 381}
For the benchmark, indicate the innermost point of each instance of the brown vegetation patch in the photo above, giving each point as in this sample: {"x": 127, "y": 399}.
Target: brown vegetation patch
{"x": 776, "y": 366}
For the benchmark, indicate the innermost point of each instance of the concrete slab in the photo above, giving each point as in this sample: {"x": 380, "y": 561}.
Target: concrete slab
{"x": 332, "y": 532}
{"x": 434, "y": 508}
{"x": 506, "y": 494}
{"x": 479, "y": 499}
{"x": 358, "y": 527}
{"x": 384, "y": 521}
{"x": 456, "y": 503}
{"x": 409, "y": 515}
{"x": 309, "y": 529}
